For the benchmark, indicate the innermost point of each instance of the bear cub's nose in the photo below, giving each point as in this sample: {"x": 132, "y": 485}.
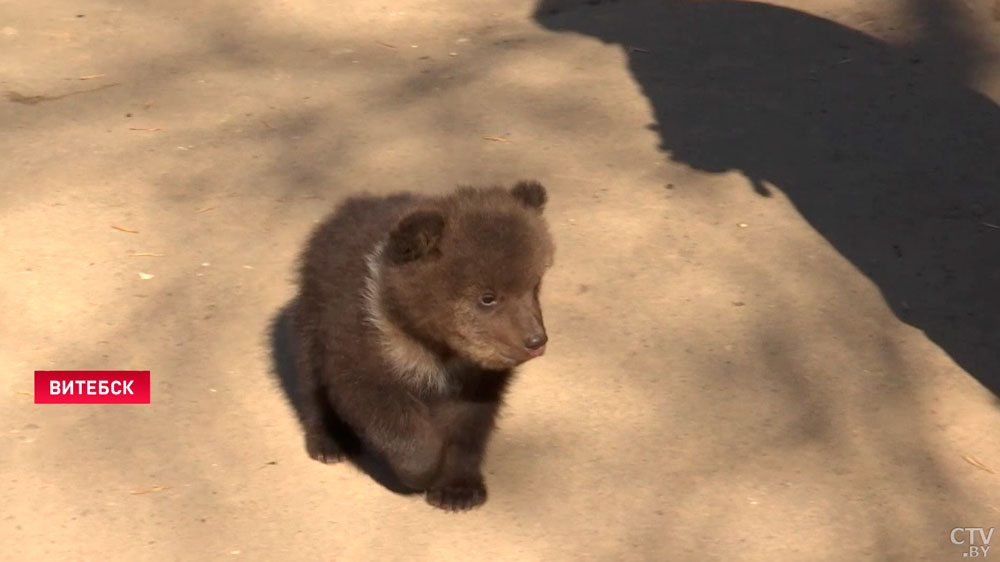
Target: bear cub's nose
{"x": 536, "y": 344}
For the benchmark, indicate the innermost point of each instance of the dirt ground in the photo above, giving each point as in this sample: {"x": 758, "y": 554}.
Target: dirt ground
{"x": 773, "y": 317}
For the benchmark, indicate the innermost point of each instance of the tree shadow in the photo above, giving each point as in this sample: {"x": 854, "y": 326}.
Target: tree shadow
{"x": 283, "y": 369}
{"x": 880, "y": 147}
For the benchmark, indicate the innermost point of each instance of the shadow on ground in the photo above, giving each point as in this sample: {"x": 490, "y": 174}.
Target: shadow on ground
{"x": 880, "y": 147}
{"x": 283, "y": 367}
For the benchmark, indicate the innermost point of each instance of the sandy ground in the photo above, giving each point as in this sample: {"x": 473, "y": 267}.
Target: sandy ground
{"x": 773, "y": 318}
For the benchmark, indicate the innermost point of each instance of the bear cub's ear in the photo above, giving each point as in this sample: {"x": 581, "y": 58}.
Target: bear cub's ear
{"x": 415, "y": 236}
{"x": 531, "y": 194}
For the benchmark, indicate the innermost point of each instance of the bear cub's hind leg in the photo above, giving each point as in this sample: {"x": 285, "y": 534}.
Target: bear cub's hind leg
{"x": 323, "y": 448}
{"x": 319, "y": 443}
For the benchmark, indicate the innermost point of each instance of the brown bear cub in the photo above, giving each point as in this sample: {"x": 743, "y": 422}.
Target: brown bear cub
{"x": 412, "y": 314}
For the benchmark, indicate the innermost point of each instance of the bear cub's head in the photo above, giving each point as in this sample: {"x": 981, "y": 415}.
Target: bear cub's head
{"x": 462, "y": 274}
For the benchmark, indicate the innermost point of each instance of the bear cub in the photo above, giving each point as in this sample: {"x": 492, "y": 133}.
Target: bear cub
{"x": 412, "y": 314}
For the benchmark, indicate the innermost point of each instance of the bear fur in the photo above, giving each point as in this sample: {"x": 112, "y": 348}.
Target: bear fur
{"x": 412, "y": 314}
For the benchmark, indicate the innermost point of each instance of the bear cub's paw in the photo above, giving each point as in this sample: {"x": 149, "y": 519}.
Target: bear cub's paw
{"x": 458, "y": 496}
{"x": 324, "y": 449}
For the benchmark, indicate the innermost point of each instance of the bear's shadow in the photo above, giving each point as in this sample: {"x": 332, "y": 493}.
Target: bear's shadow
{"x": 283, "y": 369}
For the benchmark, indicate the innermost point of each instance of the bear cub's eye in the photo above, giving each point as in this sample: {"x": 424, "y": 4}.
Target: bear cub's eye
{"x": 487, "y": 299}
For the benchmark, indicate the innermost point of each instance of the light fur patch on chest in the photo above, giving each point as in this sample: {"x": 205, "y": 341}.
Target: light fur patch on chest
{"x": 408, "y": 358}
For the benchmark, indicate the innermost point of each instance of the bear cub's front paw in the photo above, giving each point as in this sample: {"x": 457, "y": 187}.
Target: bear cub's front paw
{"x": 324, "y": 449}
{"x": 457, "y": 496}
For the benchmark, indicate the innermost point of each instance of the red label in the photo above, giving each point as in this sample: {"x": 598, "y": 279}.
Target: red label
{"x": 91, "y": 387}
